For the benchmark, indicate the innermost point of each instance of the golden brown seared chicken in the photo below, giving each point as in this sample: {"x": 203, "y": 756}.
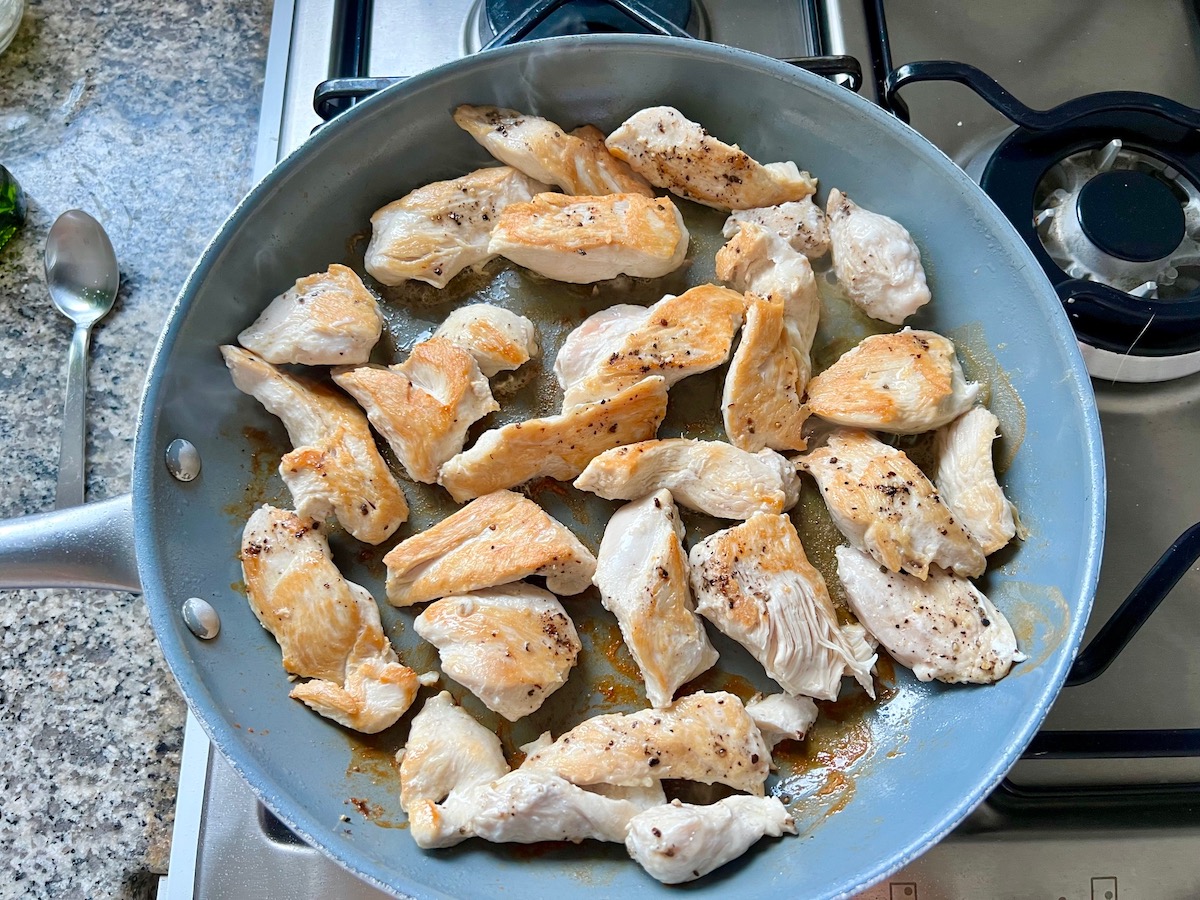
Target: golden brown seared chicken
{"x": 885, "y": 505}
{"x": 328, "y": 628}
{"x": 327, "y": 319}
{"x": 903, "y": 383}
{"x": 782, "y": 717}
{"x": 423, "y": 406}
{"x": 672, "y": 152}
{"x": 942, "y": 628}
{"x": 876, "y": 261}
{"x": 701, "y": 737}
{"x": 511, "y": 646}
{"x": 446, "y": 750}
{"x": 498, "y": 339}
{"x": 967, "y": 482}
{"x": 642, "y": 574}
{"x": 497, "y": 539}
{"x": 799, "y": 222}
{"x": 754, "y": 582}
{"x": 440, "y": 229}
{"x": 335, "y": 467}
{"x": 708, "y": 476}
{"x": 674, "y": 338}
{"x": 555, "y": 446}
{"x": 585, "y": 239}
{"x": 576, "y": 161}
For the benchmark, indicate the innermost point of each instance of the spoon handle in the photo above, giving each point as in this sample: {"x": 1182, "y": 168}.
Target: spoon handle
{"x": 71, "y": 449}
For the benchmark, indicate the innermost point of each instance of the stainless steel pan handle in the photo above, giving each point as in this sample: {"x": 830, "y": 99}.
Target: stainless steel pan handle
{"x": 83, "y": 547}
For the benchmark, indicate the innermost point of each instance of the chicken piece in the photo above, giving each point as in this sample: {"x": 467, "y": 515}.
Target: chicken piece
{"x": 577, "y": 162}
{"x": 904, "y": 383}
{"x": 642, "y": 574}
{"x": 442, "y": 228}
{"x": 674, "y": 338}
{"x": 328, "y": 628}
{"x": 942, "y": 627}
{"x": 967, "y": 482}
{"x": 496, "y": 539}
{"x": 680, "y": 842}
{"x": 556, "y": 446}
{"x": 754, "y": 582}
{"x": 425, "y": 405}
{"x": 876, "y": 261}
{"x": 782, "y": 717}
{"x": 885, "y": 505}
{"x": 799, "y": 222}
{"x": 335, "y": 466}
{"x": 328, "y": 319}
{"x": 499, "y": 340}
{"x": 708, "y": 476}
{"x": 585, "y": 239}
{"x": 701, "y": 737}
{"x": 671, "y": 152}
{"x": 511, "y": 646}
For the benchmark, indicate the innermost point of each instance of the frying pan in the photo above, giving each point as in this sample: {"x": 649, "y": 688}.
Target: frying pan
{"x": 885, "y": 785}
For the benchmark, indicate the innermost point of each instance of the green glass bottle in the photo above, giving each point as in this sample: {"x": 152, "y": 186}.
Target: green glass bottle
{"x": 12, "y": 206}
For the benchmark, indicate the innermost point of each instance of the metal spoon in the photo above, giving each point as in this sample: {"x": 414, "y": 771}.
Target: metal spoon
{"x": 82, "y": 274}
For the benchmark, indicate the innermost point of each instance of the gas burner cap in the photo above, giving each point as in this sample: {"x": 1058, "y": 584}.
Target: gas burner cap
{"x": 1131, "y": 215}
{"x": 578, "y": 17}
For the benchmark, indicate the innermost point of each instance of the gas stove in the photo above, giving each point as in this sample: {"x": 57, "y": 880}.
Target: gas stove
{"x": 1079, "y": 119}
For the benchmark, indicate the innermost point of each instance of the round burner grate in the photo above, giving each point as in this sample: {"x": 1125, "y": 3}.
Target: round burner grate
{"x": 579, "y": 17}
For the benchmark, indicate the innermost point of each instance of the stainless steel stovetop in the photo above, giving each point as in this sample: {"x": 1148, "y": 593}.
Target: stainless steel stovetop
{"x": 1055, "y": 833}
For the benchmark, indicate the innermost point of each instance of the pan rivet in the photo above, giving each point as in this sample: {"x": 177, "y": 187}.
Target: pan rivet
{"x": 183, "y": 460}
{"x": 201, "y": 619}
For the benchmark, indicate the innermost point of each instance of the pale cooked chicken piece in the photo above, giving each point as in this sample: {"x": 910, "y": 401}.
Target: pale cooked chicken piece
{"x": 511, "y": 646}
{"x": 799, "y": 222}
{"x": 903, "y": 383}
{"x": 672, "y": 152}
{"x": 708, "y": 476}
{"x": 585, "y": 239}
{"x": 966, "y": 479}
{"x": 942, "y": 628}
{"x": 884, "y": 504}
{"x": 328, "y": 319}
{"x": 782, "y": 717}
{"x": 674, "y": 338}
{"x": 335, "y": 466}
{"x": 876, "y": 261}
{"x": 498, "y": 339}
{"x": 328, "y": 628}
{"x": 642, "y": 574}
{"x": 423, "y": 406}
{"x": 440, "y": 229}
{"x": 680, "y": 842}
{"x": 497, "y": 539}
{"x": 701, "y": 737}
{"x": 577, "y": 162}
{"x": 755, "y": 583}
{"x": 555, "y": 446}
{"x": 446, "y": 750}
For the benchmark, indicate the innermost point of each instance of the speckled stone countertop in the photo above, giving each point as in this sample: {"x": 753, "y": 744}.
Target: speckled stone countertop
{"x": 144, "y": 114}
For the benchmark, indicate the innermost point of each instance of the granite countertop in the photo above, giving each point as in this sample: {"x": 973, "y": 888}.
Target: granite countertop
{"x": 145, "y": 115}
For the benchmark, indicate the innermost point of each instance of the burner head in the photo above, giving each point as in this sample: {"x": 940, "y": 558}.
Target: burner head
{"x": 582, "y": 16}
{"x": 1131, "y": 215}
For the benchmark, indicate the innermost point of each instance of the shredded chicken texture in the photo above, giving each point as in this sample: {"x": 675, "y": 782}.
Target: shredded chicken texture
{"x": 327, "y": 319}
{"x": 556, "y": 446}
{"x": 511, "y": 646}
{"x": 903, "y": 383}
{"x": 335, "y": 467}
{"x": 966, "y": 479}
{"x": 642, "y": 574}
{"x": 498, "y": 339}
{"x": 799, "y": 222}
{"x": 672, "y": 152}
{"x": 942, "y": 627}
{"x": 755, "y": 583}
{"x": 497, "y": 539}
{"x": 708, "y": 476}
{"x": 423, "y": 406}
{"x": 885, "y": 505}
{"x": 328, "y": 628}
{"x": 440, "y": 229}
{"x": 782, "y": 717}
